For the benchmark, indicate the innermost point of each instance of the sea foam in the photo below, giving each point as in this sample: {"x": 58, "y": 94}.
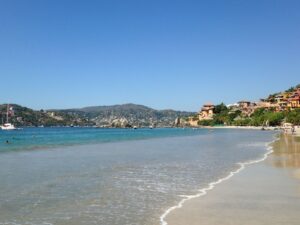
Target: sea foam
{"x": 204, "y": 191}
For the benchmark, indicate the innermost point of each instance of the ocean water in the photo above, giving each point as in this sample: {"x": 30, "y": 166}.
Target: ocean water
{"x": 113, "y": 176}
{"x": 37, "y": 138}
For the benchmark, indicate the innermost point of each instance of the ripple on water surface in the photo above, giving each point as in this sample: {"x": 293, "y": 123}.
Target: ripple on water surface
{"x": 130, "y": 182}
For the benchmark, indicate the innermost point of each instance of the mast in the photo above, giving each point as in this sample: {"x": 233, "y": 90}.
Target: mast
{"x": 7, "y": 113}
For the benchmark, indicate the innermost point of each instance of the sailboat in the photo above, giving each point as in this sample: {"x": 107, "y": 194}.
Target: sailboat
{"x": 7, "y": 125}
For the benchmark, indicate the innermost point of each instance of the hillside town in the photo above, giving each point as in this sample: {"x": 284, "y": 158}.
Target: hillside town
{"x": 286, "y": 101}
{"x": 115, "y": 116}
{"x": 278, "y": 108}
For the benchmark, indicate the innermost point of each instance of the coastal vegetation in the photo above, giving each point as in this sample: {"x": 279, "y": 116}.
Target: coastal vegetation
{"x": 23, "y": 116}
{"x": 125, "y": 116}
{"x": 260, "y": 117}
{"x": 129, "y": 115}
{"x": 276, "y": 109}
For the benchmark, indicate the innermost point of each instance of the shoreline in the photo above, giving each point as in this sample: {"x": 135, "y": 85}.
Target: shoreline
{"x": 204, "y": 191}
{"x": 207, "y": 206}
{"x": 243, "y": 127}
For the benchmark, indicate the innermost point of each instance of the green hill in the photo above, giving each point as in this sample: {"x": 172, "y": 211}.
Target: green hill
{"x": 125, "y": 115}
{"x": 24, "y": 116}
{"x": 128, "y": 114}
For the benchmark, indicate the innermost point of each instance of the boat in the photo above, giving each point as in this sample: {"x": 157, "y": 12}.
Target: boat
{"x": 7, "y": 125}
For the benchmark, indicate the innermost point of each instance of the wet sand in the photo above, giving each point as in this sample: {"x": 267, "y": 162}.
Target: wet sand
{"x": 264, "y": 193}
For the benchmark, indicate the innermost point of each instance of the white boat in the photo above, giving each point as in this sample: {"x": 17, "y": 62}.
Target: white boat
{"x": 7, "y": 125}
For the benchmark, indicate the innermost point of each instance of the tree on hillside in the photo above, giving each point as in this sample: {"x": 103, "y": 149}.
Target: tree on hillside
{"x": 291, "y": 89}
{"x": 293, "y": 117}
{"x": 274, "y": 118}
{"x": 258, "y": 112}
{"x": 220, "y": 108}
{"x": 205, "y": 123}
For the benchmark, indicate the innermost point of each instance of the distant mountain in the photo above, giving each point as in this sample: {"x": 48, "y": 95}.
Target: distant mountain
{"x": 127, "y": 115}
{"x": 23, "y": 116}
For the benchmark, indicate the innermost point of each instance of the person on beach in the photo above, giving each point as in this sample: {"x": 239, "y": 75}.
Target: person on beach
{"x": 293, "y": 129}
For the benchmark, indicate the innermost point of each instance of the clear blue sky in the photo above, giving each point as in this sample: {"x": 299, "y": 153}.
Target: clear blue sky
{"x": 164, "y": 54}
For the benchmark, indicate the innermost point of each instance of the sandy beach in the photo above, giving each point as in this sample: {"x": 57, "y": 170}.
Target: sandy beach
{"x": 267, "y": 192}
{"x": 245, "y": 127}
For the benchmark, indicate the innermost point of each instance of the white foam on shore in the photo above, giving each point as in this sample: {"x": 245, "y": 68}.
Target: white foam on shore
{"x": 211, "y": 185}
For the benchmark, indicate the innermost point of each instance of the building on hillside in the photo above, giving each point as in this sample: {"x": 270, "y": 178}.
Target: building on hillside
{"x": 244, "y": 104}
{"x": 193, "y": 123}
{"x": 52, "y": 114}
{"x": 294, "y": 99}
{"x": 247, "y": 107}
{"x": 232, "y": 106}
{"x": 264, "y": 103}
{"x": 281, "y": 101}
{"x": 207, "y": 112}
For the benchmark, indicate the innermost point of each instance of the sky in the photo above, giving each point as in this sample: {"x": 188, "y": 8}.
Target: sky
{"x": 163, "y": 54}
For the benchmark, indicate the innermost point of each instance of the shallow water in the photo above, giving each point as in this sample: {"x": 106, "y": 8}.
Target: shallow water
{"x": 263, "y": 193}
{"x": 123, "y": 182}
{"x": 37, "y": 138}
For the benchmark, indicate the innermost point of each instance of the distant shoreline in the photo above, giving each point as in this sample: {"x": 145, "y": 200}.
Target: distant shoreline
{"x": 245, "y": 127}
{"x": 239, "y": 127}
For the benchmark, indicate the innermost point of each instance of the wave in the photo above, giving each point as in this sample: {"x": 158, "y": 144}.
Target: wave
{"x": 204, "y": 191}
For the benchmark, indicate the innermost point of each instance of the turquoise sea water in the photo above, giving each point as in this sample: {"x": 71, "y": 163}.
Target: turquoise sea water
{"x": 113, "y": 176}
{"x": 34, "y": 138}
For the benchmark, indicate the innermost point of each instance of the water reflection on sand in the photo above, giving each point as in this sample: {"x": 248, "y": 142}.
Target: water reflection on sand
{"x": 286, "y": 152}
{"x": 262, "y": 194}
